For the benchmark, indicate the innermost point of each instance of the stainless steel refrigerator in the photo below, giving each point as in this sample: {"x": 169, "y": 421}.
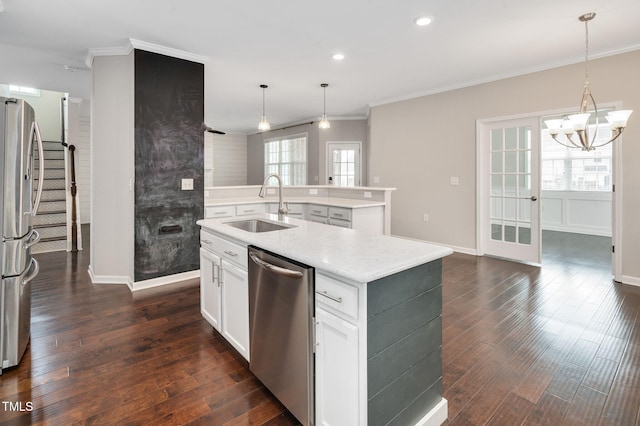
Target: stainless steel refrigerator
{"x": 19, "y": 137}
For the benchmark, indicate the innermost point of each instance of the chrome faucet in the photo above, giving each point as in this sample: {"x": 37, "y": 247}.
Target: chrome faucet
{"x": 283, "y": 208}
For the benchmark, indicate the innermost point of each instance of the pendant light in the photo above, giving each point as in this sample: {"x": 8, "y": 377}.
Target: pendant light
{"x": 264, "y": 124}
{"x": 579, "y": 123}
{"x": 324, "y": 123}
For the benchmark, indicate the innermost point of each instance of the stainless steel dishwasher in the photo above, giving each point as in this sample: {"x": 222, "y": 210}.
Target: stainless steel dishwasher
{"x": 281, "y": 325}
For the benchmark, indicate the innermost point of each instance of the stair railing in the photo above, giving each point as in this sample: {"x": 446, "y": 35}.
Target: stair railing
{"x": 74, "y": 188}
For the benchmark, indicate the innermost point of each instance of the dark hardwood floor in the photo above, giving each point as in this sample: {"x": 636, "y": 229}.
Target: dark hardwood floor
{"x": 557, "y": 345}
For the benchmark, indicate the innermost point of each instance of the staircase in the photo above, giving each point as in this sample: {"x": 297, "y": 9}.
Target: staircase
{"x": 51, "y": 220}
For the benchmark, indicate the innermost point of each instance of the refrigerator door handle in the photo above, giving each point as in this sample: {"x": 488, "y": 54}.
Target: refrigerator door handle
{"x": 35, "y": 130}
{"x": 32, "y": 275}
{"x": 32, "y": 238}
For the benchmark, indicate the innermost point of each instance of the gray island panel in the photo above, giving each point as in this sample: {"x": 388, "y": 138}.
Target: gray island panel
{"x": 404, "y": 345}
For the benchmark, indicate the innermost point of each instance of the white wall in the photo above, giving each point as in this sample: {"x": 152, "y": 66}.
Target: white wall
{"x": 83, "y": 173}
{"x": 112, "y": 174}
{"x": 225, "y": 159}
{"x": 582, "y": 212}
{"x": 418, "y": 144}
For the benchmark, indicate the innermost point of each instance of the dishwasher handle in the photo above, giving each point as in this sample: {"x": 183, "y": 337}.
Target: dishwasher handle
{"x": 276, "y": 269}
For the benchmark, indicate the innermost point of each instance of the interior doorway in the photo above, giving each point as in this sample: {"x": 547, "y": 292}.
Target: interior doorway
{"x": 577, "y": 198}
{"x": 591, "y": 212}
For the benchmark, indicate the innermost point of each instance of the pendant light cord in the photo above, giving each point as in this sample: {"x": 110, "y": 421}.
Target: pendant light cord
{"x": 586, "y": 53}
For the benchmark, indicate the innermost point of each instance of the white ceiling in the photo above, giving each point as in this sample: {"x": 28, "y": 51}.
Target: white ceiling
{"x": 288, "y": 45}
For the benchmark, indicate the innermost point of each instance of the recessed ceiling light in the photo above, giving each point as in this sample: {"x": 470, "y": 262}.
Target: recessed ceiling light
{"x": 338, "y": 56}
{"x": 422, "y": 21}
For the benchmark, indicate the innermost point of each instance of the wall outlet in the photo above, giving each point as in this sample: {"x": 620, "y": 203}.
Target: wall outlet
{"x": 376, "y": 179}
{"x": 367, "y": 194}
{"x": 187, "y": 184}
{"x": 454, "y": 181}
{"x": 271, "y": 191}
{"x": 425, "y": 217}
{"x": 313, "y": 192}
{"x": 316, "y": 179}
{"x": 206, "y": 194}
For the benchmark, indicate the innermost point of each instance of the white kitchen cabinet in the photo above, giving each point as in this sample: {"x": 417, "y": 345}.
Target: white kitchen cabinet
{"x": 337, "y": 370}
{"x": 210, "y": 294}
{"x": 247, "y": 209}
{"x": 224, "y": 286}
{"x": 219, "y": 211}
{"x": 235, "y": 306}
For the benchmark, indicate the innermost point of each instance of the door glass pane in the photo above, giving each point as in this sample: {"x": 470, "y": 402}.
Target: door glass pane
{"x": 510, "y": 208}
{"x": 510, "y": 185}
{"x": 496, "y": 162}
{"x": 524, "y": 138}
{"x": 524, "y": 186}
{"x": 524, "y": 235}
{"x": 524, "y": 159}
{"x": 496, "y": 140}
{"x": 524, "y": 210}
{"x": 496, "y": 208}
{"x": 510, "y": 232}
{"x": 510, "y": 165}
{"x": 496, "y": 230}
{"x": 511, "y": 138}
{"x": 496, "y": 184}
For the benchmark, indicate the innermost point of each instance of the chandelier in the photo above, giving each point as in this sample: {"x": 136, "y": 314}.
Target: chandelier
{"x": 579, "y": 123}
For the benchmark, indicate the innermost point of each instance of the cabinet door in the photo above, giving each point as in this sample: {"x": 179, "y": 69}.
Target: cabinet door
{"x": 235, "y": 307}
{"x": 337, "y": 384}
{"x": 210, "y": 288}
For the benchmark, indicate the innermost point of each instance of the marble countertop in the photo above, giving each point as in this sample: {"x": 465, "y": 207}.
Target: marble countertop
{"x": 354, "y": 255}
{"x": 323, "y": 201}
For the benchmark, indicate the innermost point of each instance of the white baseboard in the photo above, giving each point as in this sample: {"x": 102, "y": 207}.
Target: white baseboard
{"x": 635, "y": 281}
{"x": 436, "y": 416}
{"x": 463, "y": 250}
{"x": 108, "y": 279}
{"x": 141, "y": 285}
{"x": 575, "y": 229}
{"x": 169, "y": 279}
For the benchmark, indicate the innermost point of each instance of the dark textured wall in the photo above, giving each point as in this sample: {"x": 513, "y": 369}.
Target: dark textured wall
{"x": 169, "y": 142}
{"x": 404, "y": 345}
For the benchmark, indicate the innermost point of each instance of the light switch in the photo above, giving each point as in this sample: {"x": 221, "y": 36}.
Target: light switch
{"x": 187, "y": 184}
{"x": 454, "y": 181}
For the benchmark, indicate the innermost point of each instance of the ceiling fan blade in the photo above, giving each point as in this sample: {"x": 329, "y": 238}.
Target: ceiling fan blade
{"x": 212, "y": 130}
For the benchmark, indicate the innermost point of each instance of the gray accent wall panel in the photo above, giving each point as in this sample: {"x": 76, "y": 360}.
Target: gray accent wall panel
{"x": 169, "y": 145}
{"x": 404, "y": 345}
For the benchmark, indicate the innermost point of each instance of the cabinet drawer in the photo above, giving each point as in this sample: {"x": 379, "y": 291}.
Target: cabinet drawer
{"x": 249, "y": 209}
{"x": 318, "y": 219}
{"x": 295, "y": 210}
{"x": 315, "y": 210}
{"x": 336, "y": 295}
{"x": 339, "y": 213}
{"x": 219, "y": 211}
{"x": 226, "y": 249}
{"x": 339, "y": 222}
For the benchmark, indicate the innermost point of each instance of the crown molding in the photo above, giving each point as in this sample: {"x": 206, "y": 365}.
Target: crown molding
{"x": 498, "y": 77}
{"x": 142, "y": 45}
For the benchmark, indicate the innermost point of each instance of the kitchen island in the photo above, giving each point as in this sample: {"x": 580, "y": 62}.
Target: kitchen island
{"x": 378, "y": 317}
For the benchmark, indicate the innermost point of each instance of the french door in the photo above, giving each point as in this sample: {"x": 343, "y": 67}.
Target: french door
{"x": 343, "y": 161}
{"x": 508, "y": 192}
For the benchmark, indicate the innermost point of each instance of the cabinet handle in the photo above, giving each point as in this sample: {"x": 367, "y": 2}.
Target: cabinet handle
{"x": 219, "y": 213}
{"x": 249, "y": 211}
{"x": 216, "y": 273}
{"x": 206, "y": 241}
{"x": 316, "y": 211}
{"x": 231, "y": 253}
{"x": 338, "y": 214}
{"x": 328, "y": 296}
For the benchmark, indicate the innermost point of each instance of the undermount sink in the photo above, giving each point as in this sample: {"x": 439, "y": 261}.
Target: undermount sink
{"x": 258, "y": 225}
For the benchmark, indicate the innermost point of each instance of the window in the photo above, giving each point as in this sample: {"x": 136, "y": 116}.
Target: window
{"x": 23, "y": 90}
{"x": 571, "y": 169}
{"x": 287, "y": 156}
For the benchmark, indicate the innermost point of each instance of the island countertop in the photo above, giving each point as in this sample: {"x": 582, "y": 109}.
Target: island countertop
{"x": 354, "y": 255}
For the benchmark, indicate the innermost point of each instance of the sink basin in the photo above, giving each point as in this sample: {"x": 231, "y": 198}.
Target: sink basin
{"x": 258, "y": 225}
